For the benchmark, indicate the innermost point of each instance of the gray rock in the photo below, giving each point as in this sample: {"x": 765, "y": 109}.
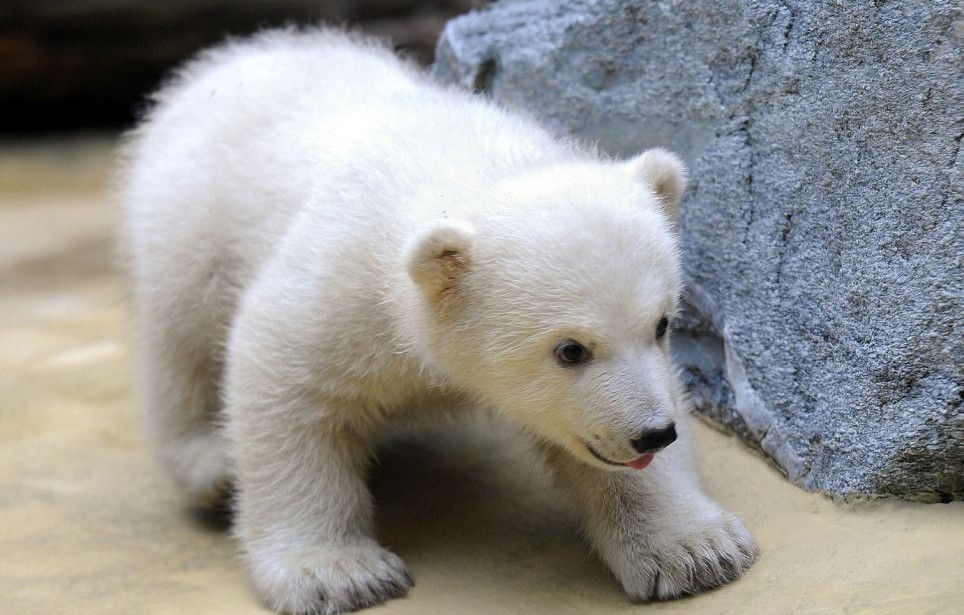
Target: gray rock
{"x": 822, "y": 229}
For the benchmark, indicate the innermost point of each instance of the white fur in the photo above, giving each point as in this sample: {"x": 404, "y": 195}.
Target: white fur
{"x": 324, "y": 241}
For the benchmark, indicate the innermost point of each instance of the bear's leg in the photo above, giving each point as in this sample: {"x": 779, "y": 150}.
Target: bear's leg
{"x": 655, "y": 529}
{"x": 178, "y": 381}
{"x": 304, "y": 515}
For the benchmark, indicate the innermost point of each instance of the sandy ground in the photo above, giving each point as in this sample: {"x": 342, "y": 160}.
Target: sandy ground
{"x": 88, "y": 523}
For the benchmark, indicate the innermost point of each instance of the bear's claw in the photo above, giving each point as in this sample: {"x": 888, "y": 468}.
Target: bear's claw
{"x": 704, "y": 558}
{"x": 337, "y": 580}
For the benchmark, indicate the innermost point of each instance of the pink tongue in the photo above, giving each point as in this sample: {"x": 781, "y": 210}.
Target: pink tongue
{"x": 640, "y": 463}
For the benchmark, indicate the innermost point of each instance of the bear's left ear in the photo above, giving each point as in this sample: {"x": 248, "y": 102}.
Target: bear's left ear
{"x": 440, "y": 257}
{"x": 664, "y": 173}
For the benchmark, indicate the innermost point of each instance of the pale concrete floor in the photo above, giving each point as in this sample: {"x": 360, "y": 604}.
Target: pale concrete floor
{"x": 88, "y": 524}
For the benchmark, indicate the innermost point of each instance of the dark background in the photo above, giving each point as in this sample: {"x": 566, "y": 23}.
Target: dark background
{"x": 89, "y": 63}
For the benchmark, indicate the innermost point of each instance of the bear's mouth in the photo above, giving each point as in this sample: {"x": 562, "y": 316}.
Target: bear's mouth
{"x": 636, "y": 464}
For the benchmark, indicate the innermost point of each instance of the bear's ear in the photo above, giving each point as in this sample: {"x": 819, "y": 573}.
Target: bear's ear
{"x": 440, "y": 257}
{"x": 664, "y": 173}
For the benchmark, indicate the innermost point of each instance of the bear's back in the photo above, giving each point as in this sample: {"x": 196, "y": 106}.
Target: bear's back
{"x": 313, "y": 126}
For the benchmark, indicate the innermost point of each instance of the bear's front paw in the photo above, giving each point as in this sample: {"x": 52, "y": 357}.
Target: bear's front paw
{"x": 704, "y": 555}
{"x": 328, "y": 581}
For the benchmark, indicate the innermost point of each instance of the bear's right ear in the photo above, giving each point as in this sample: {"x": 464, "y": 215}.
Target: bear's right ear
{"x": 440, "y": 257}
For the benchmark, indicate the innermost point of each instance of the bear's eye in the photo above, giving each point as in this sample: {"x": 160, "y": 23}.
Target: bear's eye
{"x": 661, "y": 327}
{"x": 570, "y": 352}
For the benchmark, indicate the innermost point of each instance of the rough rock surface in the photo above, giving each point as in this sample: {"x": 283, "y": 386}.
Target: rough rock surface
{"x": 823, "y": 226}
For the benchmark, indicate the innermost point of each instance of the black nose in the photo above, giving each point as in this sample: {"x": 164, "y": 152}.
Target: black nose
{"x": 652, "y": 440}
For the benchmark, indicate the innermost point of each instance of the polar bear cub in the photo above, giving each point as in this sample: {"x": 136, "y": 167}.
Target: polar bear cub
{"x": 321, "y": 241}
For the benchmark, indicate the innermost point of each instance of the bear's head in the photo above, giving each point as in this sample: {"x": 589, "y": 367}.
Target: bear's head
{"x": 553, "y": 307}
